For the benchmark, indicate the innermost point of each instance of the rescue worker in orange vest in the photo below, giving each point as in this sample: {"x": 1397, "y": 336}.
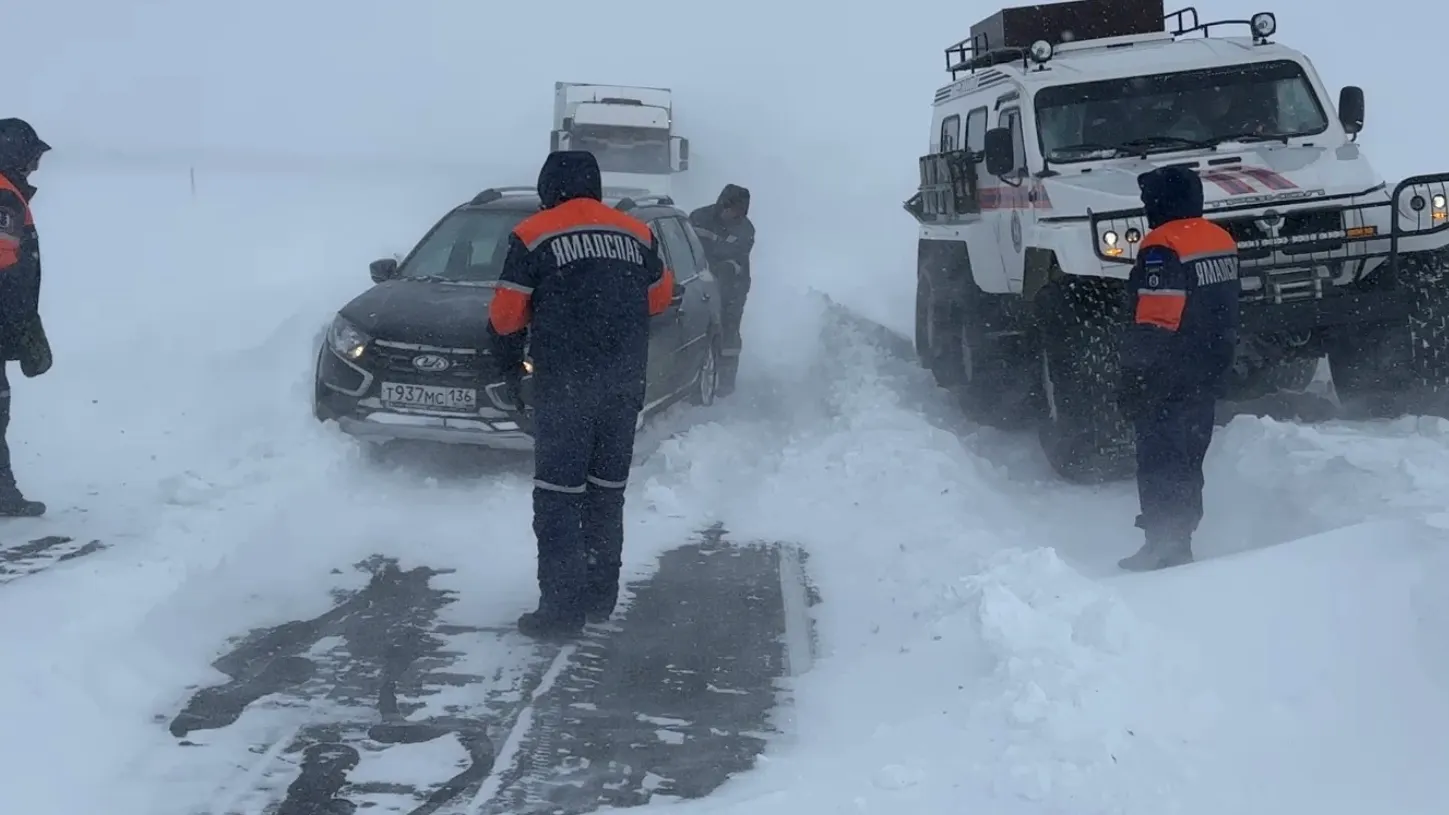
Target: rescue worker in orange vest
{"x": 1183, "y": 295}
{"x": 22, "y": 337}
{"x": 584, "y": 279}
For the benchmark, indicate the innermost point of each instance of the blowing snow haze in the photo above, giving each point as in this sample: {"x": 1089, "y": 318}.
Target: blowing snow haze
{"x": 223, "y": 174}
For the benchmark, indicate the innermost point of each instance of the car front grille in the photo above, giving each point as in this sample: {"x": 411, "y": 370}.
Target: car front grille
{"x": 1256, "y": 241}
{"x": 466, "y": 367}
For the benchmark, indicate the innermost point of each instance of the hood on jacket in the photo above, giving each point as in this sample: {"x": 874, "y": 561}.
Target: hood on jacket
{"x": 569, "y": 174}
{"x": 1170, "y": 194}
{"x": 19, "y": 144}
{"x": 733, "y": 195}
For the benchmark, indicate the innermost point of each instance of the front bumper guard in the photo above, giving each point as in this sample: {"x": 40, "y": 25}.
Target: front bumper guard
{"x": 1354, "y": 239}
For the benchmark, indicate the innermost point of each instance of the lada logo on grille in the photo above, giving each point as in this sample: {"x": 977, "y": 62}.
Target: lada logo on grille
{"x": 431, "y": 363}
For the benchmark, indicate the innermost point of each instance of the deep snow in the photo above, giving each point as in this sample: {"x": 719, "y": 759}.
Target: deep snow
{"x": 978, "y": 649}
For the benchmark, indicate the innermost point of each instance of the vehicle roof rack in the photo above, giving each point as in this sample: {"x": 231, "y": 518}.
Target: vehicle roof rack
{"x": 492, "y": 194}
{"x": 1185, "y": 21}
{"x": 630, "y": 202}
{"x": 1007, "y": 35}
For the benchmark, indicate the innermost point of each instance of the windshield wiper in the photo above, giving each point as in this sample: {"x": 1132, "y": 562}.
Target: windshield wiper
{"x": 1251, "y": 137}
{"x": 1090, "y": 147}
{"x": 1146, "y": 143}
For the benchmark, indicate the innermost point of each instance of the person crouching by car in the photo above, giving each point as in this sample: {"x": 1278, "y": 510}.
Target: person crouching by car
{"x": 584, "y": 279}
{"x": 22, "y": 336}
{"x": 728, "y": 236}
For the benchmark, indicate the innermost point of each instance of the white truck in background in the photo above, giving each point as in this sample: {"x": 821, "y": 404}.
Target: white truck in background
{"x": 630, "y": 130}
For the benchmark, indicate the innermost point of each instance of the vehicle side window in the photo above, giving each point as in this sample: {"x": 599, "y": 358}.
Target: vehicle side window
{"x": 976, "y": 130}
{"x": 1010, "y": 118}
{"x": 701, "y": 260}
{"x": 950, "y": 134}
{"x": 676, "y": 246}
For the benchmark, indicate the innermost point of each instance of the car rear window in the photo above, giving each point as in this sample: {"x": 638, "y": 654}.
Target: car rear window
{"x": 467, "y": 246}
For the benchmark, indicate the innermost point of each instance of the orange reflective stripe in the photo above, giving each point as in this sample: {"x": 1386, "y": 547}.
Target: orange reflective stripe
{"x": 577, "y": 215}
{"x": 1161, "y": 307}
{"x": 1191, "y": 238}
{"x": 6, "y": 185}
{"x": 661, "y": 293}
{"x": 510, "y": 311}
{"x": 9, "y": 252}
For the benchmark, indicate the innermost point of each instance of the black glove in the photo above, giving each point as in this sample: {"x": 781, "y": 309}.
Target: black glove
{"x": 1133, "y": 395}
{"x": 35, "y": 358}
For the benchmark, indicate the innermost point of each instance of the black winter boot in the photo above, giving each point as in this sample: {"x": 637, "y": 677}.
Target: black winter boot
{"x": 1159, "y": 552}
{"x": 550, "y": 627}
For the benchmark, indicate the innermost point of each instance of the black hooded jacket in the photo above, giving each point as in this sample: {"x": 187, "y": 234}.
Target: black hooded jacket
{"x": 726, "y": 244}
{"x": 19, "y": 242}
{"x": 584, "y": 279}
{"x": 1183, "y": 292}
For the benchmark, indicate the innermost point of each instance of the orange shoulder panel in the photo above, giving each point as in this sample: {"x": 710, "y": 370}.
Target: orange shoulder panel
{"x": 1192, "y": 237}
{"x": 580, "y": 213}
{"x": 5, "y": 184}
{"x": 661, "y": 293}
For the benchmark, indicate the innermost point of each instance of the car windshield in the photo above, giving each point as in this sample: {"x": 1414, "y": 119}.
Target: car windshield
{"x": 468, "y": 246}
{"x": 1186, "y": 109}
{"x": 624, "y": 149}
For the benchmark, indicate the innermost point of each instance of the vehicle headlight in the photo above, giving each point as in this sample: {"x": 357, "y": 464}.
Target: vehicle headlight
{"x": 528, "y": 366}
{"x": 346, "y": 340}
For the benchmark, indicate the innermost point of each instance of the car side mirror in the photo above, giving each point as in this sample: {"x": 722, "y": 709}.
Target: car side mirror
{"x": 1000, "y": 151}
{"x": 383, "y": 270}
{"x": 1350, "y": 109}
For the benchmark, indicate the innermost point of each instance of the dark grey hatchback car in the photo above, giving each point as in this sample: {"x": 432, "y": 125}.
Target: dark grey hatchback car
{"x": 407, "y": 360}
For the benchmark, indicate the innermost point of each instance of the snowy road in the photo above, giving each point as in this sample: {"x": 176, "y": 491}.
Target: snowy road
{"x": 977, "y": 649}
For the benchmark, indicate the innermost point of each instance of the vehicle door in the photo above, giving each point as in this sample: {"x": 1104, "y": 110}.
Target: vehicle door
{"x": 693, "y": 314}
{"x": 665, "y": 331}
{"x": 1018, "y": 197}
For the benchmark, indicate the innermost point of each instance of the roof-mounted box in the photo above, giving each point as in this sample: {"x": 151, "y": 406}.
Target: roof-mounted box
{"x": 1068, "y": 22}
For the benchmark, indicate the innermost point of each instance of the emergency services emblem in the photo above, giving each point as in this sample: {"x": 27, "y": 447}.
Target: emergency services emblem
{"x": 1154, "y": 280}
{"x": 8, "y": 222}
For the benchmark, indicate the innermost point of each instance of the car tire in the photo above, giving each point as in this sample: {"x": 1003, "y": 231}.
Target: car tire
{"x": 706, "y": 386}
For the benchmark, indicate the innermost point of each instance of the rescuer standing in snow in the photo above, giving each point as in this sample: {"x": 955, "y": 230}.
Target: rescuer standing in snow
{"x": 1176, "y": 351}
{"x": 22, "y": 337}
{"x": 728, "y": 236}
{"x": 584, "y": 279}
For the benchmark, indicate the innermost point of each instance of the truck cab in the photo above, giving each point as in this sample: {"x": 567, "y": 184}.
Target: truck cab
{"x": 1029, "y": 217}
{"x": 630, "y": 130}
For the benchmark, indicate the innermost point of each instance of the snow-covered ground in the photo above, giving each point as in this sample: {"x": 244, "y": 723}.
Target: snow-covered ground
{"x": 978, "y": 650}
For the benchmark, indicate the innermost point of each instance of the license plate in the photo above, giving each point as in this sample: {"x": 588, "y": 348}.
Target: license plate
{"x": 429, "y": 396}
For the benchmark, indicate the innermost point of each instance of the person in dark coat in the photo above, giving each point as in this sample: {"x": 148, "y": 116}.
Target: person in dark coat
{"x": 728, "y": 236}
{"x": 22, "y": 336}
{"x": 1176, "y": 351}
{"x": 584, "y": 279}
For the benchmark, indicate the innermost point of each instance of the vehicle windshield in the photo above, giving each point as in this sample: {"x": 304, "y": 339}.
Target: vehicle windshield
{"x": 624, "y": 149}
{"x": 469, "y": 246}
{"x": 1163, "y": 112}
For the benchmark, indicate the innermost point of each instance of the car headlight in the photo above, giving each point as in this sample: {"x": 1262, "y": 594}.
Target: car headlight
{"x": 528, "y": 366}
{"x": 346, "y": 340}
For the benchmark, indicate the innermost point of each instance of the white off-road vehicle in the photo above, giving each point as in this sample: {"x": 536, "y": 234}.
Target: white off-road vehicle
{"x": 1030, "y": 217}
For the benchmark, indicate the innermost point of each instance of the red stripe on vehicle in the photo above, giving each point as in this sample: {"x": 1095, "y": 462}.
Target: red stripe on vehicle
{"x": 1267, "y": 177}
{"x": 1230, "y": 184}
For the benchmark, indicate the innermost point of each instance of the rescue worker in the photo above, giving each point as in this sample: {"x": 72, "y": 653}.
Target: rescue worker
{"x": 22, "y": 337}
{"x": 584, "y": 279}
{"x": 728, "y": 236}
{"x": 1176, "y": 351}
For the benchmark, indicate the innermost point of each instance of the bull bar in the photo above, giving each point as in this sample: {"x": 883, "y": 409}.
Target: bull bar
{"x": 1289, "y": 256}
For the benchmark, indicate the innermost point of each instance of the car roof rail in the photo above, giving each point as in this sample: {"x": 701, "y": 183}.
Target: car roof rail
{"x": 492, "y": 194}
{"x": 628, "y": 203}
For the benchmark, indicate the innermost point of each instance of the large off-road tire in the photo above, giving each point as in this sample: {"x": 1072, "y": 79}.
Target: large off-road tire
{"x": 953, "y": 341}
{"x": 1388, "y": 369}
{"x": 1082, "y": 432}
{"x": 1427, "y": 275}
{"x": 1287, "y": 375}
{"x": 938, "y": 321}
